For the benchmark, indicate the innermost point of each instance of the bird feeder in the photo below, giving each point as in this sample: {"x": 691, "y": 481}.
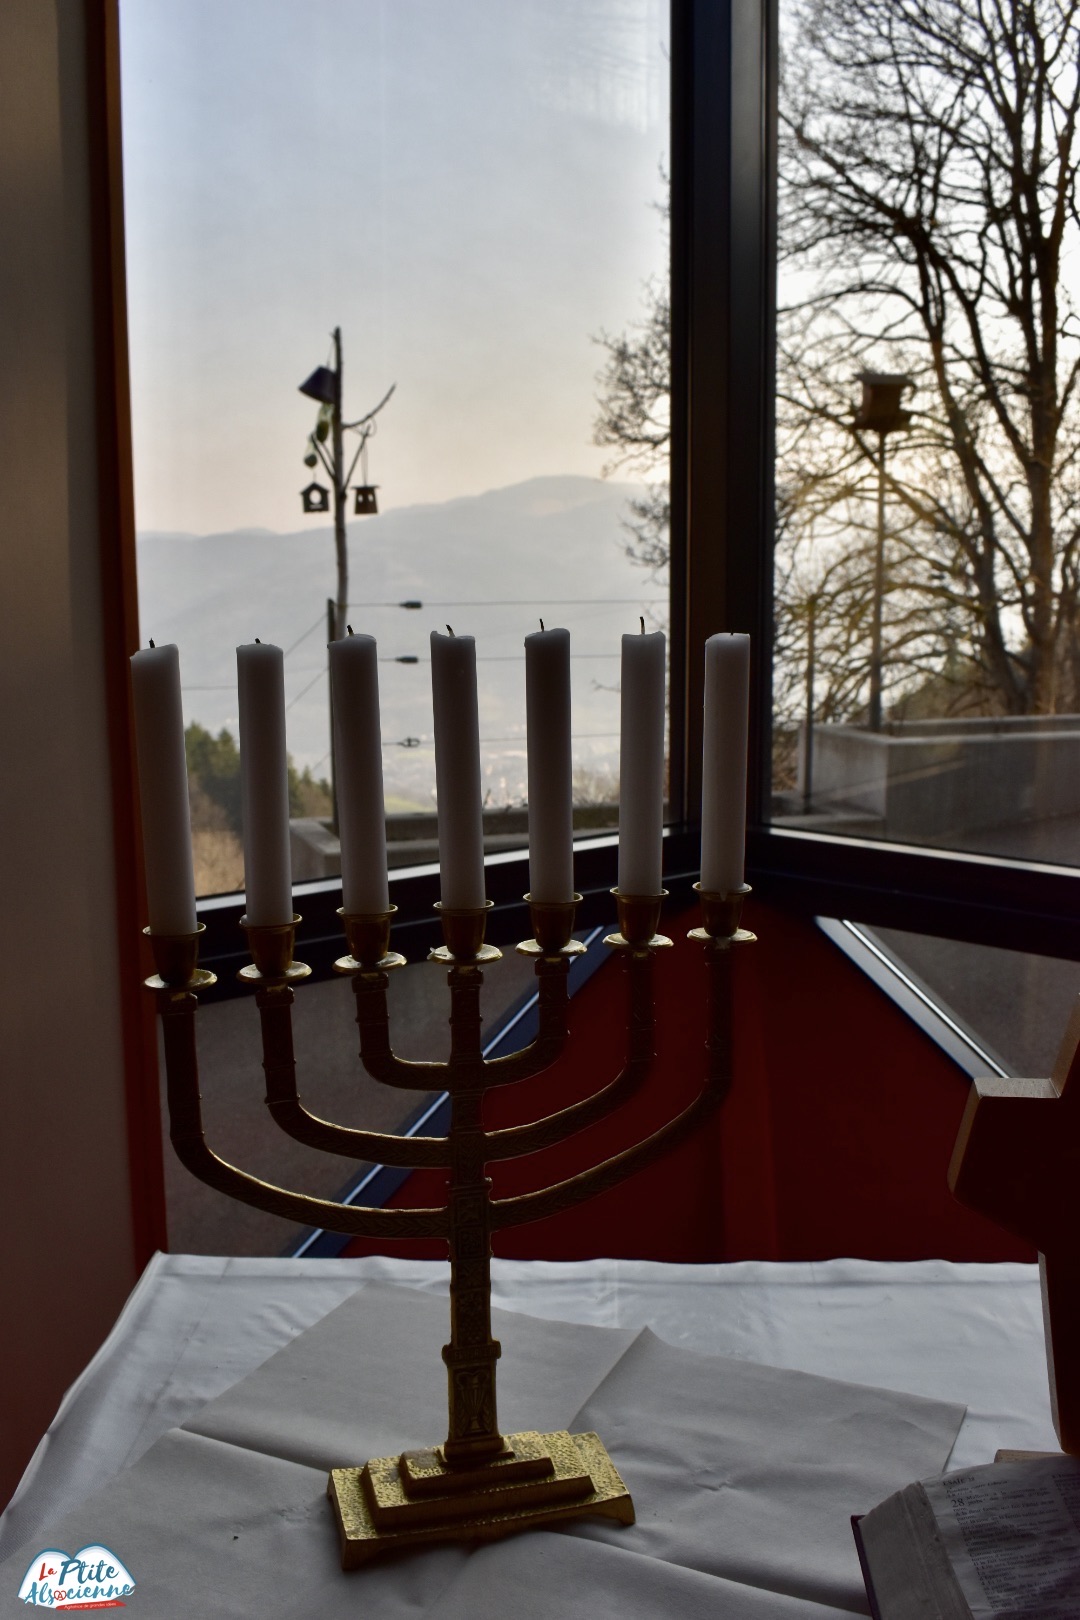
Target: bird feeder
{"x": 316, "y": 498}
{"x": 881, "y": 410}
{"x": 321, "y": 385}
{"x": 366, "y": 504}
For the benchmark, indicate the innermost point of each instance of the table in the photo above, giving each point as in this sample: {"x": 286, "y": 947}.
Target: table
{"x": 195, "y": 1325}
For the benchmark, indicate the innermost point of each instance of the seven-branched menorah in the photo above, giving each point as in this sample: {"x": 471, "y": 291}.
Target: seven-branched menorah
{"x": 478, "y": 1483}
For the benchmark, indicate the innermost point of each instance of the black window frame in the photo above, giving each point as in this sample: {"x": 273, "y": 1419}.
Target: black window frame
{"x": 724, "y": 66}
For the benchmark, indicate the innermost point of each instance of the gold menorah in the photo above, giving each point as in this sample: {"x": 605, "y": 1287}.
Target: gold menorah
{"x": 479, "y": 1483}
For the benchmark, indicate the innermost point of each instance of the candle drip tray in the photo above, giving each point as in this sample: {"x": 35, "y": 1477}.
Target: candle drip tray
{"x": 416, "y": 1497}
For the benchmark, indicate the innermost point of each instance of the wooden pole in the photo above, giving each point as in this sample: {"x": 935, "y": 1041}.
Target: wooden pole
{"x": 341, "y": 605}
{"x": 331, "y": 618}
{"x": 879, "y": 594}
{"x": 808, "y": 738}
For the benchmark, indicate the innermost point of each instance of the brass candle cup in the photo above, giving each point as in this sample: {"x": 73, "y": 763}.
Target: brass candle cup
{"x": 176, "y": 959}
{"x": 720, "y": 915}
{"x": 368, "y": 937}
{"x": 553, "y": 926}
{"x": 271, "y": 947}
{"x": 463, "y": 930}
{"x": 638, "y": 915}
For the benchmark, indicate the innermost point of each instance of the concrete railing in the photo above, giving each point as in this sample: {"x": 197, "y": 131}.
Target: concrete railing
{"x": 940, "y": 780}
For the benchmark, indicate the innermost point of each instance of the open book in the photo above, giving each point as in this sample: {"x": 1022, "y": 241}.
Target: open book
{"x": 1000, "y": 1542}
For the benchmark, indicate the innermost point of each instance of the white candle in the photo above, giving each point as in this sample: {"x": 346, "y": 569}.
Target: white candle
{"x": 551, "y": 809}
{"x": 457, "y": 771}
{"x": 354, "y": 672}
{"x": 641, "y": 764}
{"x": 264, "y": 785}
{"x": 163, "y": 790}
{"x": 723, "y": 772}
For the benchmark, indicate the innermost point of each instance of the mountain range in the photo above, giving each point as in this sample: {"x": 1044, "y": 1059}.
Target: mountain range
{"x": 491, "y": 565}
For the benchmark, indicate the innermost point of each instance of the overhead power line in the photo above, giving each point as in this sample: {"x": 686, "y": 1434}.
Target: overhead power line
{"x": 527, "y": 601}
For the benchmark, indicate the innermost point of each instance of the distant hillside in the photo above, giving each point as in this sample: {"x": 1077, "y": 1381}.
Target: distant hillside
{"x": 491, "y": 565}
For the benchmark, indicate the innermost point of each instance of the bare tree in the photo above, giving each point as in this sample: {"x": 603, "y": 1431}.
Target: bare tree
{"x": 928, "y": 182}
{"x": 635, "y": 419}
{"x": 929, "y": 208}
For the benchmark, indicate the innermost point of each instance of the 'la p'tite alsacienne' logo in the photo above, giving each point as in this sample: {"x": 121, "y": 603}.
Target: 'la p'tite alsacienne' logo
{"x": 93, "y": 1579}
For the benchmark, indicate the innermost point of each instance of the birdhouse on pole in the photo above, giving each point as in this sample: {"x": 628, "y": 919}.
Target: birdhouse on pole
{"x": 881, "y": 410}
{"x": 366, "y": 503}
{"x": 316, "y": 498}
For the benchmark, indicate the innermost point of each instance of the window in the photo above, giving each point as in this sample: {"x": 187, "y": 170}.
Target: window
{"x": 475, "y": 197}
{"x": 926, "y": 634}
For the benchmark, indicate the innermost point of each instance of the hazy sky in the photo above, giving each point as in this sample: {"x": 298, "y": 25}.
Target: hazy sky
{"x": 466, "y": 186}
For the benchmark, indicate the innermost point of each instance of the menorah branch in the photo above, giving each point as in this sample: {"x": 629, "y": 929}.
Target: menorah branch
{"x": 274, "y": 1002}
{"x": 188, "y": 1138}
{"x": 516, "y": 1141}
{"x": 550, "y": 1041}
{"x": 376, "y": 1053}
{"x": 377, "y": 1147}
{"x": 563, "y": 1195}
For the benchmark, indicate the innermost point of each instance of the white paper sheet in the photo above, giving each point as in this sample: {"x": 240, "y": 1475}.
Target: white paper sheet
{"x": 369, "y": 1381}
{"x": 752, "y": 1473}
{"x": 546, "y": 1576}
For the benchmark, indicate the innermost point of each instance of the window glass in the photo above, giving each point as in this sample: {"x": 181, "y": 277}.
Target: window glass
{"x": 1015, "y": 1005}
{"x": 474, "y": 195}
{"x": 928, "y": 662}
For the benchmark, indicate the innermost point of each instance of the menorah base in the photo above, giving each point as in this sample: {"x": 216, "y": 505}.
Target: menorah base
{"x": 404, "y": 1501}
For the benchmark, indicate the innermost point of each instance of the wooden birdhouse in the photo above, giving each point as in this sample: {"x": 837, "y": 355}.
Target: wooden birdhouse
{"x": 316, "y": 498}
{"x": 366, "y": 504}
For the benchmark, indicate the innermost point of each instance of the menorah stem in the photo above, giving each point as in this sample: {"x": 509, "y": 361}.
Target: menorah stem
{"x": 274, "y": 1002}
{"x": 177, "y": 1009}
{"x": 472, "y": 1352}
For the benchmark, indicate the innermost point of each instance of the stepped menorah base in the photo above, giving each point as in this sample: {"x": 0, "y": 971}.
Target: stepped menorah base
{"x": 540, "y": 1479}
{"x": 479, "y": 1484}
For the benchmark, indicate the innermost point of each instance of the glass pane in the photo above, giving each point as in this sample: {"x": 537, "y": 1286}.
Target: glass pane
{"x": 474, "y": 194}
{"x": 1016, "y": 1005}
{"x": 928, "y": 432}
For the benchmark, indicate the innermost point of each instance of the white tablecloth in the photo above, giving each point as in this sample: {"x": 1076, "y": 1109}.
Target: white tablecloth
{"x": 195, "y": 1325}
